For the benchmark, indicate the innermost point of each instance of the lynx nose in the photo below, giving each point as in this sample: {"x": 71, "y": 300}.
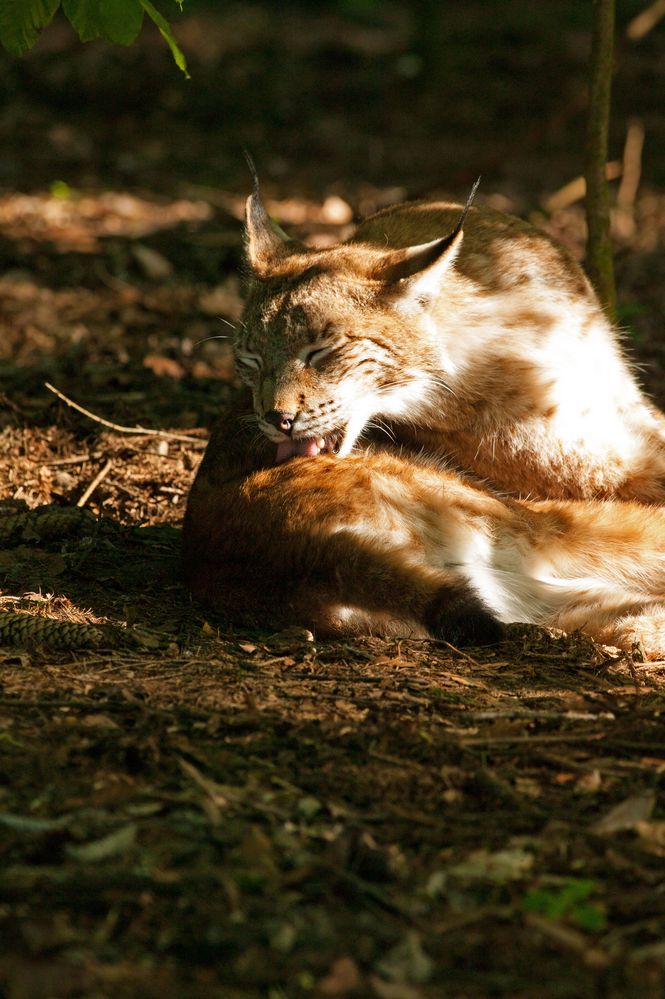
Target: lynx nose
{"x": 283, "y": 421}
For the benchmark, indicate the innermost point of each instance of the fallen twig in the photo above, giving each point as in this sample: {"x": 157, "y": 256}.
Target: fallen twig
{"x": 575, "y": 189}
{"x": 162, "y": 434}
{"x": 505, "y": 740}
{"x": 76, "y": 459}
{"x": 453, "y": 648}
{"x": 647, "y": 19}
{"x": 95, "y": 482}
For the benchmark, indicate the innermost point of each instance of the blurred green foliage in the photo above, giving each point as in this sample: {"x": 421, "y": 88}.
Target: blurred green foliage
{"x": 569, "y": 902}
{"x": 118, "y": 21}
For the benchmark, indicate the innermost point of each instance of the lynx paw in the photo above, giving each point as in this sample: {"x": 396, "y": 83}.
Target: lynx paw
{"x": 458, "y": 616}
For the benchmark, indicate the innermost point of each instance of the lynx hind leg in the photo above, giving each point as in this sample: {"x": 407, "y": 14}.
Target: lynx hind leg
{"x": 339, "y": 612}
{"x": 459, "y": 616}
{"x": 335, "y": 620}
{"x": 456, "y": 615}
{"x": 412, "y": 609}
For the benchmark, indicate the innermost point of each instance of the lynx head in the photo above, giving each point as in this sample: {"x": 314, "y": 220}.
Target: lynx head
{"x": 328, "y": 343}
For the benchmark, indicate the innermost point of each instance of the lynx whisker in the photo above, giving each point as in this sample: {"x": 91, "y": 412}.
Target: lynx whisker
{"x": 258, "y": 438}
{"x": 442, "y": 384}
{"x": 219, "y": 336}
{"x": 377, "y": 424}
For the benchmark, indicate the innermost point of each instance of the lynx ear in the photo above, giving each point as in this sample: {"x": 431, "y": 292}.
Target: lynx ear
{"x": 266, "y": 243}
{"x": 421, "y": 267}
{"x": 425, "y": 262}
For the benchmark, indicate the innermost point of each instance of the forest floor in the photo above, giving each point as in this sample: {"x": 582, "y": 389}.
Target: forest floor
{"x": 190, "y": 810}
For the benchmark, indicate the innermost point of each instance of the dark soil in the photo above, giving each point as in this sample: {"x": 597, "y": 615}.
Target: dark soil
{"x": 191, "y": 810}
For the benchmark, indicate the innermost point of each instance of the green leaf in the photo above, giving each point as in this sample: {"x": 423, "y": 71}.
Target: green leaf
{"x": 568, "y": 902}
{"x": 167, "y": 35}
{"x": 590, "y": 917}
{"x": 117, "y": 21}
{"x": 21, "y": 22}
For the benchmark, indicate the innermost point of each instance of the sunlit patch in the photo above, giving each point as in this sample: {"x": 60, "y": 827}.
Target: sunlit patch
{"x": 76, "y": 222}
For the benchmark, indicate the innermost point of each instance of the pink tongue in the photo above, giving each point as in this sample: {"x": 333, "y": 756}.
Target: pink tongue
{"x": 307, "y": 447}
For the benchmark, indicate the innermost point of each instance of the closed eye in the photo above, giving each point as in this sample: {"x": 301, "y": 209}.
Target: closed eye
{"x": 313, "y": 355}
{"x": 252, "y": 361}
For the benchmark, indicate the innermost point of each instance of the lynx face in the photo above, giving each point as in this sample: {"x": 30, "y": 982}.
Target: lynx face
{"x": 326, "y": 344}
{"x": 325, "y": 361}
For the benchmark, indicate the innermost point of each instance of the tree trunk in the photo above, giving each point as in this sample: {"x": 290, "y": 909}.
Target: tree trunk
{"x": 599, "y": 244}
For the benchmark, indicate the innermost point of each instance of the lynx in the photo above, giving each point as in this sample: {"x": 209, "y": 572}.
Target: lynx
{"x": 459, "y": 334}
{"x": 388, "y": 544}
{"x": 465, "y": 333}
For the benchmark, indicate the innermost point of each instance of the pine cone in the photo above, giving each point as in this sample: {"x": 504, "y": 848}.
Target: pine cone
{"x": 43, "y": 524}
{"x": 27, "y": 629}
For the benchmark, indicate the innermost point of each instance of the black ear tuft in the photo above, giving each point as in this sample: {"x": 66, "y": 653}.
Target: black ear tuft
{"x": 469, "y": 201}
{"x": 249, "y": 159}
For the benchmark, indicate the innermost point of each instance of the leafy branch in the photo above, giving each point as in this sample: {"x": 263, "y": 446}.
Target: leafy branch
{"x": 118, "y": 21}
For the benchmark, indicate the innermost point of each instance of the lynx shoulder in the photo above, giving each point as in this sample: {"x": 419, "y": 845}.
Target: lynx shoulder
{"x": 469, "y": 335}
